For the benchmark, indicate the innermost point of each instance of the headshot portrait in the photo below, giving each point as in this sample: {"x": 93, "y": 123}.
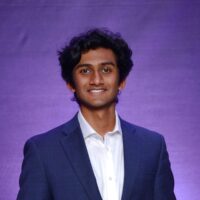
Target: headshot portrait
{"x": 96, "y": 155}
{"x": 99, "y": 100}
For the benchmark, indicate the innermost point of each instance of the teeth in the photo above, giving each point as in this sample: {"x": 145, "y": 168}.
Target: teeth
{"x": 96, "y": 91}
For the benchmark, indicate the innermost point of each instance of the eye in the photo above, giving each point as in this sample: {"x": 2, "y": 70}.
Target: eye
{"x": 85, "y": 70}
{"x": 106, "y": 69}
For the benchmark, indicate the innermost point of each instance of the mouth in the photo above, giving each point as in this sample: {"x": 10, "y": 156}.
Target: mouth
{"x": 97, "y": 91}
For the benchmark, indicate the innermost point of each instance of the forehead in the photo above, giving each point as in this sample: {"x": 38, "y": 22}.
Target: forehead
{"x": 97, "y": 56}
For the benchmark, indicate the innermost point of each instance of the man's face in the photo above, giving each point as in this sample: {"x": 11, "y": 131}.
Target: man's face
{"x": 96, "y": 79}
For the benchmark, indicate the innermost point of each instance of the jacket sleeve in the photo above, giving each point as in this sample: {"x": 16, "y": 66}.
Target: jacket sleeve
{"x": 164, "y": 182}
{"x": 33, "y": 182}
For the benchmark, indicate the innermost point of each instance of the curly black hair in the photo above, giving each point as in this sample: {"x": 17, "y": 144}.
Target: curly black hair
{"x": 70, "y": 55}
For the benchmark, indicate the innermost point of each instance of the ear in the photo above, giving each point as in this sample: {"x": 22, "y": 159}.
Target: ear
{"x": 122, "y": 85}
{"x": 70, "y": 87}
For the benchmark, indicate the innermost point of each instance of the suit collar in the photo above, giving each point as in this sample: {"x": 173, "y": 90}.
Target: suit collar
{"x": 81, "y": 163}
{"x": 79, "y": 159}
{"x": 131, "y": 158}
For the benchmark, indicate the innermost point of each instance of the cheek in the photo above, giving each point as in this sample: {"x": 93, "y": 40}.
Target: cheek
{"x": 78, "y": 79}
{"x": 114, "y": 82}
{"x": 115, "y": 79}
{"x": 80, "y": 84}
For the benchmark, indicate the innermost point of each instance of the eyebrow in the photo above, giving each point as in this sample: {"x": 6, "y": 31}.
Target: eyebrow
{"x": 89, "y": 65}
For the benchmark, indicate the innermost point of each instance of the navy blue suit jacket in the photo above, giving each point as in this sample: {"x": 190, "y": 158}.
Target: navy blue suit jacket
{"x": 56, "y": 166}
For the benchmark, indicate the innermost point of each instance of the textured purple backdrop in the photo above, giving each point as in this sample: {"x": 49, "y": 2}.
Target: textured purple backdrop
{"x": 162, "y": 93}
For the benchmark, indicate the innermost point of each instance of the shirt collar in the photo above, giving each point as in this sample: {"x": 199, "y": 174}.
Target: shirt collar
{"x": 87, "y": 129}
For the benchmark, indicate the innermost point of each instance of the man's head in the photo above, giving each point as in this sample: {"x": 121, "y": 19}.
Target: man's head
{"x": 93, "y": 39}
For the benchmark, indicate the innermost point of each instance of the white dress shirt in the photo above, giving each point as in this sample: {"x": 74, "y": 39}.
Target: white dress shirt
{"x": 106, "y": 157}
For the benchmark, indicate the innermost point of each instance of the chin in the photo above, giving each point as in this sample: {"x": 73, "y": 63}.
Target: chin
{"x": 97, "y": 105}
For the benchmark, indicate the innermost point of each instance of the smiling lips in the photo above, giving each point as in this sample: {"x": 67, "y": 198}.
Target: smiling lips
{"x": 96, "y": 91}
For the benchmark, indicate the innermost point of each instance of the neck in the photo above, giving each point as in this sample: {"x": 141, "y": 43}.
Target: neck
{"x": 102, "y": 120}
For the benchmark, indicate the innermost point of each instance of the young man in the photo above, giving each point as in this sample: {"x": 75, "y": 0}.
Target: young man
{"x": 96, "y": 155}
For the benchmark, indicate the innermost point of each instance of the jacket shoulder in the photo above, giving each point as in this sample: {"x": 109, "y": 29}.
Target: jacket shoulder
{"x": 56, "y": 133}
{"x": 141, "y": 132}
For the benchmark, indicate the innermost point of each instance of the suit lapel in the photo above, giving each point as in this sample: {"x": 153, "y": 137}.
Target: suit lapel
{"x": 131, "y": 159}
{"x": 75, "y": 149}
{"x": 76, "y": 152}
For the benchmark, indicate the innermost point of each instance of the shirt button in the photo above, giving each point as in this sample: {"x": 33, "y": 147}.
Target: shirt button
{"x": 108, "y": 149}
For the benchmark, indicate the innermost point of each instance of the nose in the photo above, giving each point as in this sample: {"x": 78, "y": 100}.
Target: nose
{"x": 96, "y": 78}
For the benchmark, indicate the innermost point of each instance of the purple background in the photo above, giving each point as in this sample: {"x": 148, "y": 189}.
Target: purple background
{"x": 162, "y": 93}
